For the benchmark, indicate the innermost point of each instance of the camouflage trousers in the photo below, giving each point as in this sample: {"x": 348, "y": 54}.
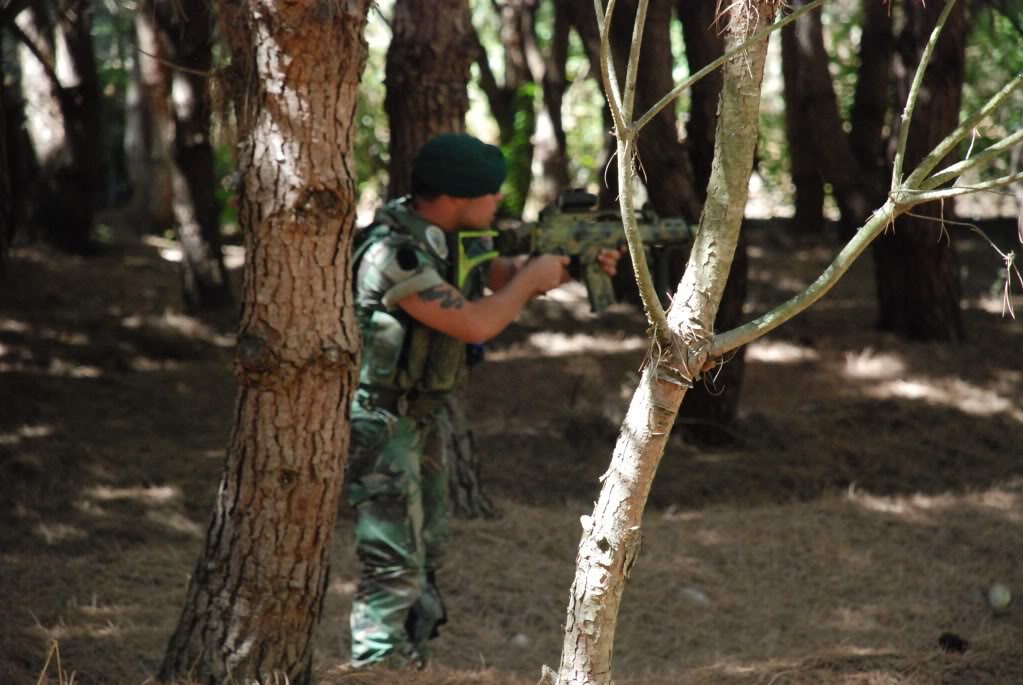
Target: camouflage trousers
{"x": 398, "y": 486}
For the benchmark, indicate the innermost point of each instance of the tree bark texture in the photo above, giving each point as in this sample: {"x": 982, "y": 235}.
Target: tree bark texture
{"x": 186, "y": 28}
{"x": 917, "y": 268}
{"x": 611, "y": 537}
{"x": 257, "y": 591}
{"x": 61, "y": 89}
{"x": 427, "y": 70}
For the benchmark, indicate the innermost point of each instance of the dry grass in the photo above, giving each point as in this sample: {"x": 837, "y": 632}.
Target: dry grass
{"x": 873, "y": 493}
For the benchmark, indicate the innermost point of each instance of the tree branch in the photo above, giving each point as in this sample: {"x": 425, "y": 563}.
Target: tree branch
{"x": 921, "y": 196}
{"x": 634, "y": 50}
{"x": 903, "y": 196}
{"x": 759, "y": 35}
{"x": 914, "y": 90}
{"x": 488, "y": 82}
{"x": 977, "y": 161}
{"x": 607, "y": 67}
{"x": 37, "y": 52}
{"x": 946, "y": 146}
{"x": 644, "y": 281}
{"x": 726, "y": 342}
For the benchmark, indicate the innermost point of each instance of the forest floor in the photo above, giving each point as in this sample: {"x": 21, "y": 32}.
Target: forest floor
{"x": 872, "y": 494}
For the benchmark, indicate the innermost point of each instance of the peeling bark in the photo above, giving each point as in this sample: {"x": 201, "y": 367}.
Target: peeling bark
{"x": 257, "y": 591}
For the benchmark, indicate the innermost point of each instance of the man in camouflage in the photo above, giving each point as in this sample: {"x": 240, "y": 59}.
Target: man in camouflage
{"x": 416, "y": 314}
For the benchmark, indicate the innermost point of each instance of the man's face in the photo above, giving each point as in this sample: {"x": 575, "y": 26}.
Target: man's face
{"x": 478, "y": 213}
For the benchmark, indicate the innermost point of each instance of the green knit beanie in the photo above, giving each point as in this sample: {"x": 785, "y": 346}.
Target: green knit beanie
{"x": 459, "y": 165}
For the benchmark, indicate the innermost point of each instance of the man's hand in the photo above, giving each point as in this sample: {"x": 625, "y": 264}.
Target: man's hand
{"x": 546, "y": 272}
{"x": 608, "y": 260}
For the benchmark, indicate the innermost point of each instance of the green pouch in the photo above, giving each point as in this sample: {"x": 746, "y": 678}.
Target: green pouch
{"x": 383, "y": 340}
{"x": 447, "y": 359}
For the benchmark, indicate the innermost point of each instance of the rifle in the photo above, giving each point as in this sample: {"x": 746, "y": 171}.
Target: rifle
{"x": 574, "y": 227}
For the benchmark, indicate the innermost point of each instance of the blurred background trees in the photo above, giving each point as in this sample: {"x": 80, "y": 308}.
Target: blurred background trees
{"x": 108, "y": 128}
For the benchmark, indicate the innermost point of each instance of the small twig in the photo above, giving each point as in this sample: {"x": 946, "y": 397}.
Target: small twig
{"x": 983, "y": 158}
{"x": 1009, "y": 258}
{"x": 383, "y": 17}
{"x": 173, "y": 65}
{"x": 920, "y": 196}
{"x": 942, "y": 149}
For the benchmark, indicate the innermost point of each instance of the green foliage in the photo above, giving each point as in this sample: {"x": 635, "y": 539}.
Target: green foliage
{"x": 518, "y": 149}
{"x": 994, "y": 54}
{"x": 843, "y": 30}
{"x": 372, "y": 133}
{"x": 225, "y": 163}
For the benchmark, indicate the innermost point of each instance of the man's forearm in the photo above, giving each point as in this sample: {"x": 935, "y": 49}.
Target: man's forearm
{"x": 503, "y": 270}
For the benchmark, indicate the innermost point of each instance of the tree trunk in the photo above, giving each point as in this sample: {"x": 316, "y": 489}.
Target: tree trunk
{"x": 186, "y": 29}
{"x": 149, "y": 125}
{"x": 426, "y": 75}
{"x": 712, "y": 405}
{"x": 257, "y": 591}
{"x": 669, "y": 177}
{"x": 61, "y": 90}
{"x": 40, "y": 90}
{"x": 551, "y": 148}
{"x": 611, "y": 536}
{"x": 513, "y": 101}
{"x": 21, "y": 163}
{"x": 803, "y": 152}
{"x": 870, "y": 100}
{"x": 6, "y": 205}
{"x": 704, "y": 44}
{"x": 581, "y": 17}
{"x": 663, "y": 158}
{"x": 917, "y": 268}
{"x": 814, "y": 123}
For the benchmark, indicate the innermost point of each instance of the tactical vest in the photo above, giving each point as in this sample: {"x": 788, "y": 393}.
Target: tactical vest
{"x": 400, "y": 354}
